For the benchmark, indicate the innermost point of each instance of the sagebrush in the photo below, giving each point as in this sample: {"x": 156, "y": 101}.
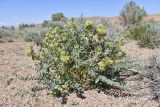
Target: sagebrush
{"x": 146, "y": 33}
{"x": 132, "y": 13}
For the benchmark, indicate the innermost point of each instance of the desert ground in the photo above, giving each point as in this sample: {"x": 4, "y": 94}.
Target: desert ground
{"x": 16, "y": 92}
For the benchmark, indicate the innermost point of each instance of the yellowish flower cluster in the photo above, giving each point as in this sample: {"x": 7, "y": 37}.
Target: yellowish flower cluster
{"x": 89, "y": 24}
{"x": 101, "y": 29}
{"x": 64, "y": 58}
{"x": 104, "y": 63}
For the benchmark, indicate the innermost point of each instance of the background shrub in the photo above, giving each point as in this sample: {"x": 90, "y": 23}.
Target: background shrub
{"x": 78, "y": 56}
{"x": 7, "y": 34}
{"x": 45, "y": 23}
{"x": 146, "y": 33}
{"x": 23, "y": 25}
{"x": 132, "y": 13}
{"x": 30, "y": 36}
{"x": 58, "y": 17}
{"x": 56, "y": 24}
{"x": 35, "y": 34}
{"x": 115, "y": 31}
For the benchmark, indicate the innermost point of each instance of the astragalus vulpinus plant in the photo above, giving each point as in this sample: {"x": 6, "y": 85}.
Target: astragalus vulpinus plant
{"x": 78, "y": 56}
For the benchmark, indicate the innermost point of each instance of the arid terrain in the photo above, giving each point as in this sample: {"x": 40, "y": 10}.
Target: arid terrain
{"x": 16, "y": 92}
{"x": 116, "y": 19}
{"x": 58, "y": 53}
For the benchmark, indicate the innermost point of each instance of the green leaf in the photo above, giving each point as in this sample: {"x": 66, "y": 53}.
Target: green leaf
{"x": 112, "y": 83}
{"x": 97, "y": 80}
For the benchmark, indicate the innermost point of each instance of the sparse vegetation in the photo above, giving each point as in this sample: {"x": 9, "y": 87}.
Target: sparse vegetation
{"x": 8, "y": 34}
{"x": 78, "y": 55}
{"x": 132, "y": 13}
{"x": 23, "y": 25}
{"x": 58, "y": 17}
{"x": 45, "y": 23}
{"x": 146, "y": 33}
{"x": 96, "y": 58}
{"x": 35, "y": 34}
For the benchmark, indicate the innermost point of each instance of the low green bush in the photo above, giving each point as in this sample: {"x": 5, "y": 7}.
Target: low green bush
{"x": 56, "y": 24}
{"x": 5, "y": 33}
{"x": 78, "y": 56}
{"x": 35, "y": 35}
{"x": 147, "y": 34}
{"x": 30, "y": 36}
{"x": 10, "y": 40}
{"x": 132, "y": 13}
{"x": 1, "y": 41}
{"x": 8, "y": 34}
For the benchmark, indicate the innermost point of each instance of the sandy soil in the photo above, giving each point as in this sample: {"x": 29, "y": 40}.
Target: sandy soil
{"x": 15, "y": 92}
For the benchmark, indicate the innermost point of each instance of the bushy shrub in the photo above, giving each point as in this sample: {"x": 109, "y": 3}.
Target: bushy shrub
{"x": 78, "y": 56}
{"x": 35, "y": 37}
{"x": 45, "y": 23}
{"x": 30, "y": 36}
{"x": 56, "y": 24}
{"x": 58, "y": 17}
{"x": 8, "y": 34}
{"x": 10, "y": 40}
{"x": 115, "y": 30}
{"x": 35, "y": 34}
{"x": 5, "y": 33}
{"x": 1, "y": 41}
{"x": 132, "y": 13}
{"x": 22, "y": 26}
{"x": 146, "y": 33}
